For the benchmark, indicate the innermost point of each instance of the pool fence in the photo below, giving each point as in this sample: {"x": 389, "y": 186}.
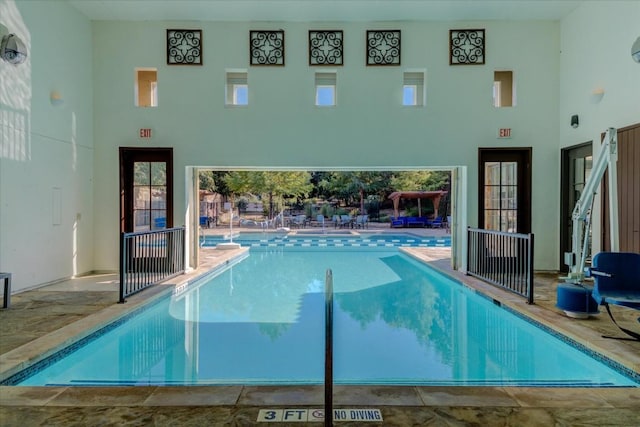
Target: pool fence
{"x": 502, "y": 259}
{"x": 149, "y": 257}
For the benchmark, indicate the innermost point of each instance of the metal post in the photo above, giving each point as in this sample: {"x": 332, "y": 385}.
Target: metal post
{"x": 328, "y": 351}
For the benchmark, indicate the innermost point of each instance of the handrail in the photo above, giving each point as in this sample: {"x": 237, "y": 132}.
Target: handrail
{"x": 328, "y": 350}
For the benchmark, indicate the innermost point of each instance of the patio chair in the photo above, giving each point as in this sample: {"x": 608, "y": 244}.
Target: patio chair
{"x": 362, "y": 221}
{"x": 320, "y": 220}
{"x": 299, "y": 221}
{"x": 617, "y": 281}
{"x": 397, "y": 222}
{"x": 345, "y": 221}
{"x": 435, "y": 223}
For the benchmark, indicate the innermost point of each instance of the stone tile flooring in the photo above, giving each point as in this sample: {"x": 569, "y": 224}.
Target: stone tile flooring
{"x": 41, "y": 320}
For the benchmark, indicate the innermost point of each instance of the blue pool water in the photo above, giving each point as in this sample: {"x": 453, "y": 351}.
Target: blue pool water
{"x": 261, "y": 321}
{"x": 332, "y": 238}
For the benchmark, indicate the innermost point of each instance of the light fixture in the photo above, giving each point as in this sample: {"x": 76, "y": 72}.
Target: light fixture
{"x": 12, "y": 49}
{"x": 597, "y": 95}
{"x": 635, "y": 50}
{"x": 56, "y": 98}
{"x": 574, "y": 121}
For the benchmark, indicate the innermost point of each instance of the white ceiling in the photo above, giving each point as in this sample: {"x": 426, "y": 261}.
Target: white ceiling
{"x": 324, "y": 10}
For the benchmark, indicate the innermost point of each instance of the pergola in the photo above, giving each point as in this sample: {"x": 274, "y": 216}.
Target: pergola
{"x": 433, "y": 195}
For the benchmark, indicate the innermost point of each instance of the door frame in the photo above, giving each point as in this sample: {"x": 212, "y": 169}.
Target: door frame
{"x": 130, "y": 155}
{"x": 629, "y": 205}
{"x": 521, "y": 155}
{"x": 566, "y": 186}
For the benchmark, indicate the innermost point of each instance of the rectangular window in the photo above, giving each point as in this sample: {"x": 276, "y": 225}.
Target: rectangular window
{"x": 413, "y": 93}
{"x": 501, "y": 196}
{"x": 146, "y": 87}
{"x": 237, "y": 89}
{"x": 325, "y": 89}
{"x": 503, "y": 91}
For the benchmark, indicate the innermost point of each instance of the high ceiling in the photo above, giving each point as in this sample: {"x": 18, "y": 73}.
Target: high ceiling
{"x": 324, "y": 10}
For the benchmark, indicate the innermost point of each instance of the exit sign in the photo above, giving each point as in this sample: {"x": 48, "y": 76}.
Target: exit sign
{"x": 504, "y": 133}
{"x": 145, "y": 133}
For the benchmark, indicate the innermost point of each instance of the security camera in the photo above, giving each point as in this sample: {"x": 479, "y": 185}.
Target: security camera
{"x": 635, "y": 50}
{"x": 12, "y": 49}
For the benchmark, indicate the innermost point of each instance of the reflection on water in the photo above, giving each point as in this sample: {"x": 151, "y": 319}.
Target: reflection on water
{"x": 262, "y": 322}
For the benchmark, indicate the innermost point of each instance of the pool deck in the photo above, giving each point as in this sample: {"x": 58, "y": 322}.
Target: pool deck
{"x": 41, "y": 320}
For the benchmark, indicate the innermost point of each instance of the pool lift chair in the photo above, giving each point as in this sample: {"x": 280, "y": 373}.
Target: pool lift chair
{"x": 573, "y": 296}
{"x": 617, "y": 281}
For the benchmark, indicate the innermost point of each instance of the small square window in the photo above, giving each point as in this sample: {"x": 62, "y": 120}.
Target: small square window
{"x": 409, "y": 93}
{"x": 146, "y": 87}
{"x": 413, "y": 94}
{"x": 240, "y": 95}
{"x": 503, "y": 90}
{"x": 237, "y": 88}
{"x": 325, "y": 95}
{"x": 325, "y": 89}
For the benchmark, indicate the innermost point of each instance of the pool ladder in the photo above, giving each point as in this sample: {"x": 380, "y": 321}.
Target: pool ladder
{"x": 328, "y": 350}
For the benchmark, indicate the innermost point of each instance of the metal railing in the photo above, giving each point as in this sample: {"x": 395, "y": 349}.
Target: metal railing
{"x": 328, "y": 350}
{"x": 149, "y": 257}
{"x": 502, "y": 259}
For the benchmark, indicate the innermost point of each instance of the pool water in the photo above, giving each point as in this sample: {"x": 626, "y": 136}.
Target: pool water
{"x": 318, "y": 239}
{"x": 261, "y": 321}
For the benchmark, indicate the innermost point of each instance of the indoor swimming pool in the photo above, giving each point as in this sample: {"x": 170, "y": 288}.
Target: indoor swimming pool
{"x": 261, "y": 321}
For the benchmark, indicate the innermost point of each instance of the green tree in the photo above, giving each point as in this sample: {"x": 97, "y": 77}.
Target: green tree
{"x": 272, "y": 185}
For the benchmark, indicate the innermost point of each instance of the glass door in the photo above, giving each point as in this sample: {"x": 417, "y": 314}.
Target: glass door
{"x": 150, "y": 196}
{"x": 146, "y": 189}
{"x": 505, "y": 189}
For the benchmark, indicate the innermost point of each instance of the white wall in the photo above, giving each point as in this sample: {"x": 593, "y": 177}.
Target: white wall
{"x": 369, "y": 127}
{"x": 45, "y": 147}
{"x": 595, "y": 46}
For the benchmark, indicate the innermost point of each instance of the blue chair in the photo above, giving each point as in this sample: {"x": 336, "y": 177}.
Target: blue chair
{"x": 435, "y": 223}
{"x": 362, "y": 221}
{"x": 617, "y": 281}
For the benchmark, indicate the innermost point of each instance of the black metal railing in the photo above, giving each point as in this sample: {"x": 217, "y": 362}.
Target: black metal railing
{"x": 328, "y": 350}
{"x": 502, "y": 259}
{"x": 149, "y": 257}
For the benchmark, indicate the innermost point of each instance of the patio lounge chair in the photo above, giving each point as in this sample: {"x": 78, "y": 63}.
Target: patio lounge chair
{"x": 435, "y": 223}
{"x": 617, "y": 281}
{"x": 398, "y": 222}
{"x": 415, "y": 221}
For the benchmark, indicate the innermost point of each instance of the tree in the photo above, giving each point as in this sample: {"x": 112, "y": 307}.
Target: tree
{"x": 272, "y": 184}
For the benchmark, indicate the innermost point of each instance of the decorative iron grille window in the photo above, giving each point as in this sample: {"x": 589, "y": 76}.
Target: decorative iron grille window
{"x": 266, "y": 47}
{"x": 184, "y": 47}
{"x": 466, "y": 47}
{"x": 325, "y": 47}
{"x": 383, "y": 47}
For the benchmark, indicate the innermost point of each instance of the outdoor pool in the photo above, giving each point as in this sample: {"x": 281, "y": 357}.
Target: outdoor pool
{"x": 363, "y": 238}
{"x": 261, "y": 321}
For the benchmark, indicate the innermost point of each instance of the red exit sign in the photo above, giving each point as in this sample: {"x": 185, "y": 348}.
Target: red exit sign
{"x": 145, "y": 133}
{"x": 504, "y": 133}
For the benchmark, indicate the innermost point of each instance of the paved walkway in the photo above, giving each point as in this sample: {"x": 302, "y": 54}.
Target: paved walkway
{"x": 40, "y": 320}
